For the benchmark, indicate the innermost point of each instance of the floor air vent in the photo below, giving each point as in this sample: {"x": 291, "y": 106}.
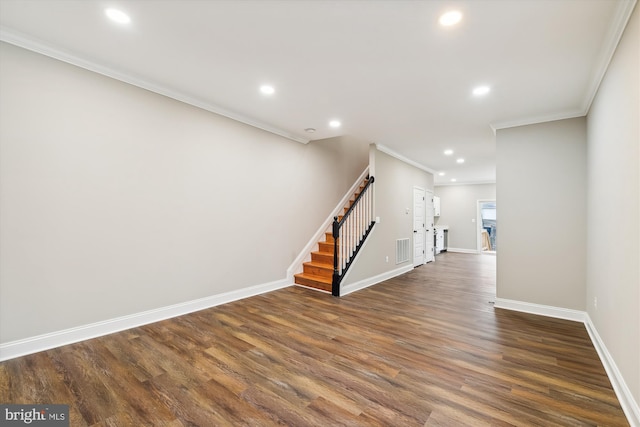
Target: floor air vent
{"x": 402, "y": 251}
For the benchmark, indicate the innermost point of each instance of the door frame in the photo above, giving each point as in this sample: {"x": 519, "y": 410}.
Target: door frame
{"x": 429, "y": 239}
{"x": 417, "y": 262}
{"x": 479, "y": 223}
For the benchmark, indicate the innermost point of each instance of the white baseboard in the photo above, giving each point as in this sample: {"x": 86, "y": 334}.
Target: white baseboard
{"x": 629, "y": 405}
{"x": 51, "y": 340}
{"x": 365, "y": 283}
{"x": 462, "y": 251}
{"x": 542, "y": 310}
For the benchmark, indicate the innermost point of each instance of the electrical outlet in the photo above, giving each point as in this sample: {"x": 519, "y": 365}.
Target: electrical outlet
{"x": 595, "y": 302}
{"x": 386, "y": 259}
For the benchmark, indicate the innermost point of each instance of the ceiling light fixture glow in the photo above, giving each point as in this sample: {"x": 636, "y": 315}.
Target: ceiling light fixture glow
{"x": 117, "y": 16}
{"x": 450, "y": 18}
{"x": 453, "y": 180}
{"x": 310, "y": 130}
{"x": 441, "y": 173}
{"x": 335, "y": 124}
{"x": 460, "y": 160}
{"x": 448, "y": 152}
{"x": 267, "y": 90}
{"x": 481, "y": 90}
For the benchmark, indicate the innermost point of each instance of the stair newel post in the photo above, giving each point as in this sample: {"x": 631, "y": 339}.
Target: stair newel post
{"x": 335, "y": 283}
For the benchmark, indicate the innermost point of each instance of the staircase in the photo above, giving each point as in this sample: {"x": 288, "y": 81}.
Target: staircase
{"x": 318, "y": 273}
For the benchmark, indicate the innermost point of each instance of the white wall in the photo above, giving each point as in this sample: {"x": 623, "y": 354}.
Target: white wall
{"x": 613, "y": 220}
{"x": 459, "y": 207}
{"x": 394, "y": 182}
{"x": 541, "y": 191}
{"x": 115, "y": 200}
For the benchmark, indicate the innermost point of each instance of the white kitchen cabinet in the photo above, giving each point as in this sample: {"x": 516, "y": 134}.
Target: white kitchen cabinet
{"x": 436, "y": 206}
{"x": 441, "y": 238}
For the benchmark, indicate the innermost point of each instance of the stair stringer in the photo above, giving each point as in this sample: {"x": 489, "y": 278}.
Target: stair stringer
{"x": 305, "y": 254}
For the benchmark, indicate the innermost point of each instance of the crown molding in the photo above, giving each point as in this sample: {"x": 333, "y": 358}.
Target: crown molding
{"x": 621, "y": 18}
{"x": 569, "y": 114}
{"x": 402, "y": 158}
{"x": 38, "y": 46}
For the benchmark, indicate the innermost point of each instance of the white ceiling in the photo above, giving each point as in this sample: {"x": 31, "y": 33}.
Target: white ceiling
{"x": 386, "y": 69}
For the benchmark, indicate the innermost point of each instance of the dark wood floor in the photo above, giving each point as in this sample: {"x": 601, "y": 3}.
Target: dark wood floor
{"x": 424, "y": 349}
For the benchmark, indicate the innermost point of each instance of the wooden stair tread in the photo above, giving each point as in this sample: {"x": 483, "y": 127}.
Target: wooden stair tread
{"x": 313, "y": 277}
{"x": 326, "y": 247}
{"x": 313, "y": 281}
{"x": 321, "y": 252}
{"x": 319, "y": 264}
{"x": 317, "y": 268}
{"x": 322, "y": 257}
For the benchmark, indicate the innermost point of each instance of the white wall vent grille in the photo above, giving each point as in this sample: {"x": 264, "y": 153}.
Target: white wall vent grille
{"x": 402, "y": 251}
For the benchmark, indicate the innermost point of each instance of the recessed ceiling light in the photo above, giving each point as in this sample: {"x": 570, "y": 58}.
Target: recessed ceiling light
{"x": 335, "y": 123}
{"x": 453, "y": 180}
{"x": 450, "y": 18}
{"x": 118, "y": 16}
{"x": 460, "y": 160}
{"x": 448, "y": 152}
{"x": 267, "y": 89}
{"x": 441, "y": 173}
{"x": 310, "y": 130}
{"x": 481, "y": 90}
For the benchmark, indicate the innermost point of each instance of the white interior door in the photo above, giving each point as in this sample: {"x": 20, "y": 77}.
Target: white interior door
{"x": 429, "y": 228}
{"x": 419, "y": 204}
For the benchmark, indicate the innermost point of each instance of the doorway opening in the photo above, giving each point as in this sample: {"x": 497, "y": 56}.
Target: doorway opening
{"x": 487, "y": 226}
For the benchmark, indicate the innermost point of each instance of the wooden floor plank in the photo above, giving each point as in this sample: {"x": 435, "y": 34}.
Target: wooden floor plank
{"x": 423, "y": 349}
